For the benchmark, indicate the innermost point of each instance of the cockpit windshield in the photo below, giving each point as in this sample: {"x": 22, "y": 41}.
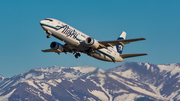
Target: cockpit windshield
{"x": 49, "y": 19}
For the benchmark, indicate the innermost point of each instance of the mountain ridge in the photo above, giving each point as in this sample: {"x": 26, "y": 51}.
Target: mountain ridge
{"x": 130, "y": 81}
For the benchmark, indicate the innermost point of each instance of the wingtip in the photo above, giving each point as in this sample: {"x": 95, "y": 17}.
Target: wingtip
{"x": 144, "y": 54}
{"x": 143, "y": 38}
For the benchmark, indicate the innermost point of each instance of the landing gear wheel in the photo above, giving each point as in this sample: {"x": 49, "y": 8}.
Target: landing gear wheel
{"x": 48, "y": 36}
{"x": 77, "y": 55}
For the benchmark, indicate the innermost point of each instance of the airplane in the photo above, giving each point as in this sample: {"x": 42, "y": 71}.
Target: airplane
{"x": 77, "y": 42}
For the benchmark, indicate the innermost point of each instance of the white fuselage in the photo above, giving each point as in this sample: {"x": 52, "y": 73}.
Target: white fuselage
{"x": 75, "y": 39}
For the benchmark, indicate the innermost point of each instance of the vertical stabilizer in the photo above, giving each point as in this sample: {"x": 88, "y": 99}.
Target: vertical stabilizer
{"x": 119, "y": 48}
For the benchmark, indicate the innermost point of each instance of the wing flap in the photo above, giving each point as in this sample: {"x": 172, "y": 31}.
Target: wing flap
{"x": 131, "y": 55}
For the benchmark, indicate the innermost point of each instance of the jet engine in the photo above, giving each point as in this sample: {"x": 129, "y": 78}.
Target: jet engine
{"x": 57, "y": 47}
{"x": 91, "y": 42}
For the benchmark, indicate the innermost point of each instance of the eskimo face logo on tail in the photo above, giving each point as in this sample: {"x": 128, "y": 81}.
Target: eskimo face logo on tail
{"x": 119, "y": 47}
{"x": 68, "y": 31}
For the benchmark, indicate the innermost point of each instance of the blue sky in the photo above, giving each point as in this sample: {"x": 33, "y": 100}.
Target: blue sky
{"x": 22, "y": 37}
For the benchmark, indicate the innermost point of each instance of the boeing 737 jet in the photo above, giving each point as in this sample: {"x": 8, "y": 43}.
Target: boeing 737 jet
{"x": 78, "y": 42}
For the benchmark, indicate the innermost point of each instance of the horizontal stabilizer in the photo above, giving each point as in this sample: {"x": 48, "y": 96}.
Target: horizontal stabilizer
{"x": 131, "y": 55}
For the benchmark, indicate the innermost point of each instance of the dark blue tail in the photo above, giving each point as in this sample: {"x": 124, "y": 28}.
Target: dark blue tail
{"x": 119, "y": 48}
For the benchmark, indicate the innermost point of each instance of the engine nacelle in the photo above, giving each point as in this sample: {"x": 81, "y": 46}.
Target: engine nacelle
{"x": 91, "y": 42}
{"x": 57, "y": 46}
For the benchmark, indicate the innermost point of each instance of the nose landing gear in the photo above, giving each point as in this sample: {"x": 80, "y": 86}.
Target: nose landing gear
{"x": 49, "y": 33}
{"x": 77, "y": 55}
{"x": 48, "y": 36}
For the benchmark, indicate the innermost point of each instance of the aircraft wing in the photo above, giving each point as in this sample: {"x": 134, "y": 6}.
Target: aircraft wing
{"x": 66, "y": 48}
{"x": 131, "y": 55}
{"x": 48, "y": 50}
{"x": 105, "y": 44}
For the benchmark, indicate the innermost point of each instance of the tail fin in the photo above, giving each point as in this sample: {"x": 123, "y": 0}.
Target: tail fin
{"x": 119, "y": 48}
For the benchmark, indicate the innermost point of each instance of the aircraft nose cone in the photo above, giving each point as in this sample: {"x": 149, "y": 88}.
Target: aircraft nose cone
{"x": 41, "y": 22}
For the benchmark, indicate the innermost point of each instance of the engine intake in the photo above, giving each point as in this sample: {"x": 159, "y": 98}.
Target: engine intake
{"x": 57, "y": 46}
{"x": 91, "y": 42}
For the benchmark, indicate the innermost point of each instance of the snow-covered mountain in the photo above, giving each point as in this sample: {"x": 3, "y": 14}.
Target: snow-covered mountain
{"x": 1, "y": 78}
{"x": 128, "y": 82}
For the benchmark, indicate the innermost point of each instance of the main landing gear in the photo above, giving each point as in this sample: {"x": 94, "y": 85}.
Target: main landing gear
{"x": 77, "y": 55}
